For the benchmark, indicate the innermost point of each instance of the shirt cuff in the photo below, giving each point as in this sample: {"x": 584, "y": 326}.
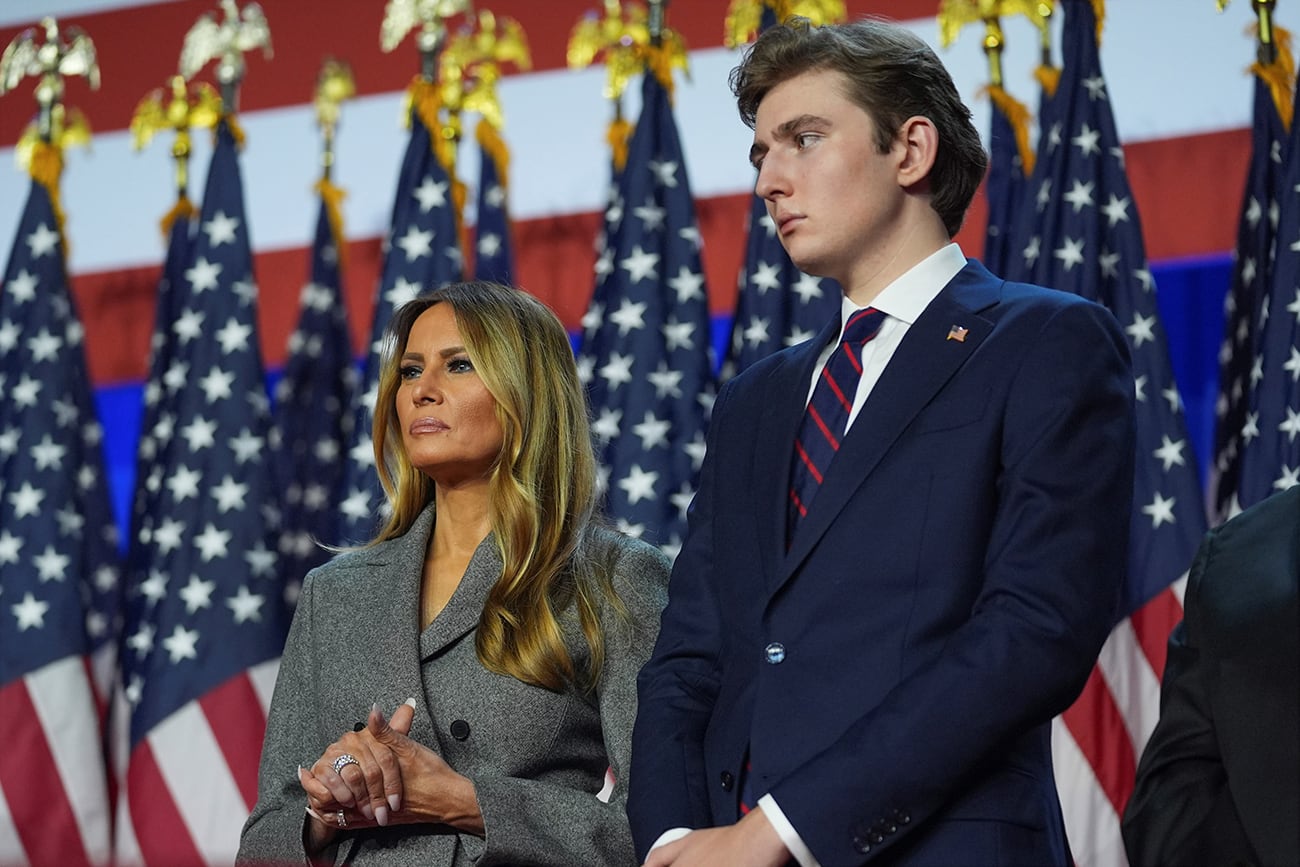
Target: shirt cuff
{"x": 669, "y": 836}
{"x": 789, "y": 836}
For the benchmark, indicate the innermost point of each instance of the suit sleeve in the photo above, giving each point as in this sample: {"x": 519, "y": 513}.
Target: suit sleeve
{"x": 533, "y": 822}
{"x": 274, "y": 830}
{"x": 1181, "y": 811}
{"x": 1052, "y": 571}
{"x": 678, "y": 686}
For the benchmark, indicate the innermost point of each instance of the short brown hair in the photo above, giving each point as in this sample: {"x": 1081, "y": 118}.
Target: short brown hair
{"x": 892, "y": 74}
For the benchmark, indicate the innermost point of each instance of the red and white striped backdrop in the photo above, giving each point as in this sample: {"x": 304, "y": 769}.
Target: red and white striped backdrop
{"x": 1177, "y": 77}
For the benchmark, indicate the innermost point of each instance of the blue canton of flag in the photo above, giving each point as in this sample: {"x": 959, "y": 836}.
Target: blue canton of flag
{"x": 645, "y": 351}
{"x": 1240, "y": 361}
{"x": 314, "y": 403}
{"x": 59, "y": 575}
{"x": 206, "y": 613}
{"x": 1004, "y": 189}
{"x": 1087, "y": 239}
{"x": 422, "y": 253}
{"x": 1270, "y": 459}
{"x": 493, "y": 250}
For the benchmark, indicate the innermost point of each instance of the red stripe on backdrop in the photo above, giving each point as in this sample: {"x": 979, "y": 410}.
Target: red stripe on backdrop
{"x": 159, "y": 827}
{"x": 555, "y": 255}
{"x": 1097, "y": 726}
{"x": 33, "y": 787}
{"x": 138, "y": 48}
{"x": 1153, "y": 622}
{"x": 230, "y": 709}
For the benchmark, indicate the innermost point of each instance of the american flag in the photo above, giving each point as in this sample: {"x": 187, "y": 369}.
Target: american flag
{"x": 58, "y": 560}
{"x": 493, "y": 249}
{"x": 1270, "y": 445}
{"x": 646, "y": 355}
{"x": 206, "y": 614}
{"x": 313, "y": 404}
{"x": 1244, "y": 304}
{"x": 422, "y": 252}
{"x": 1088, "y": 240}
{"x": 777, "y": 305}
{"x": 1004, "y": 188}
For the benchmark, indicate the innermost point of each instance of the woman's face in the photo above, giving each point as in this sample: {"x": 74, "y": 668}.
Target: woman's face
{"x": 448, "y": 417}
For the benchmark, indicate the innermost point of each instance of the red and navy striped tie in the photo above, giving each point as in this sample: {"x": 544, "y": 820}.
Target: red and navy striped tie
{"x": 827, "y": 415}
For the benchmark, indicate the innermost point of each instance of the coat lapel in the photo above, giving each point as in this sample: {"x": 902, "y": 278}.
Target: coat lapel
{"x": 920, "y": 368}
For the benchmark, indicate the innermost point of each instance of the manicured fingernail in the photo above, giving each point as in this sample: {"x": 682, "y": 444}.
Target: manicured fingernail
{"x": 410, "y": 702}
{"x": 395, "y": 801}
{"x": 367, "y": 811}
{"x": 381, "y": 815}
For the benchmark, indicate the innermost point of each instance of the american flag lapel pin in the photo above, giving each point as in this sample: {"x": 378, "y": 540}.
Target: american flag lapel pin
{"x": 958, "y": 333}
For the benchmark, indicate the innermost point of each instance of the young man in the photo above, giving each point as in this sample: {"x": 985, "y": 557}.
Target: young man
{"x": 905, "y": 554}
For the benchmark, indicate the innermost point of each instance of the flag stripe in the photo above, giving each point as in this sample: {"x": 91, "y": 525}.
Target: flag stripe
{"x": 158, "y": 829}
{"x": 1097, "y": 726}
{"x": 11, "y": 849}
{"x": 33, "y": 784}
{"x": 234, "y": 713}
{"x": 1153, "y": 622}
{"x": 262, "y": 676}
{"x": 1087, "y": 805}
{"x": 1132, "y": 683}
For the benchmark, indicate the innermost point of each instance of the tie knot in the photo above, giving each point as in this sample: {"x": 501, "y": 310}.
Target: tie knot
{"x": 862, "y": 326}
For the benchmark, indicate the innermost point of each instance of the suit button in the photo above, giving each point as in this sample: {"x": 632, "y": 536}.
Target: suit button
{"x": 460, "y": 730}
{"x": 728, "y": 781}
{"x": 861, "y": 845}
{"x": 774, "y": 653}
{"x": 891, "y": 829}
{"x": 901, "y": 817}
{"x": 876, "y": 838}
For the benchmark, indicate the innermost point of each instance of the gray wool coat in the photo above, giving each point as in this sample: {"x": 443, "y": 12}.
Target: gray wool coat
{"x": 537, "y": 758}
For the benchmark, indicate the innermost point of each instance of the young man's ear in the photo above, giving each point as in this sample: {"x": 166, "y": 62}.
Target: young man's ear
{"x": 920, "y": 141}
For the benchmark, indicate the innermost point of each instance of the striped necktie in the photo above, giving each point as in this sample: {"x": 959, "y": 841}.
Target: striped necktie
{"x": 827, "y": 415}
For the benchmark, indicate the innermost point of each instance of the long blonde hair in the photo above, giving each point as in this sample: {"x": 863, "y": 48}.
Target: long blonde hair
{"x": 542, "y": 488}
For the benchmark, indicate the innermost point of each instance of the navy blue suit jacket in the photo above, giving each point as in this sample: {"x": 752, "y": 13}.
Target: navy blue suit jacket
{"x": 945, "y": 596}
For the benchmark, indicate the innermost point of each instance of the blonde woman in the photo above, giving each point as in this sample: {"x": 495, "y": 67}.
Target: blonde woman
{"x": 496, "y": 615}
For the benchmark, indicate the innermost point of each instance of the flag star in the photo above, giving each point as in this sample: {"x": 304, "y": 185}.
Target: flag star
{"x": 1087, "y": 141}
{"x": 199, "y": 434}
{"x": 216, "y": 385}
{"x": 403, "y": 291}
{"x": 44, "y": 346}
{"x": 768, "y": 224}
{"x": 629, "y": 316}
{"x": 1096, "y": 87}
{"x": 594, "y": 316}
{"x": 184, "y": 483}
{"x": 1032, "y": 250}
{"x": 1250, "y": 427}
{"x": 363, "y": 453}
{"x": 691, "y": 235}
{"x": 617, "y": 370}
{"x": 42, "y": 241}
{"x": 181, "y": 644}
{"x": 627, "y": 528}
{"x": 229, "y": 495}
{"x": 667, "y": 382}
{"x": 695, "y": 449}
{"x": 682, "y": 499}
{"x": 495, "y": 196}
{"x": 665, "y": 172}
{"x": 197, "y": 594}
{"x": 154, "y": 588}
{"x": 23, "y": 287}
{"x": 234, "y": 336}
{"x": 430, "y": 194}
{"x": 1070, "y": 253}
{"x": 356, "y": 506}
{"x": 8, "y": 335}
{"x": 807, "y": 287}
{"x": 1143, "y": 276}
{"x": 212, "y": 543}
{"x": 47, "y": 454}
{"x": 416, "y": 244}
{"x": 607, "y": 426}
{"x": 1116, "y": 210}
{"x": 1139, "y": 388}
{"x": 1080, "y": 195}
{"x": 688, "y": 284}
{"x": 1141, "y": 329}
{"x": 65, "y": 412}
{"x": 489, "y": 245}
{"x": 639, "y": 485}
{"x": 678, "y": 335}
{"x": 1172, "y": 398}
{"x": 798, "y": 335}
{"x": 10, "y": 545}
{"x": 1291, "y": 426}
{"x": 651, "y": 216}
{"x": 1109, "y": 263}
{"x": 26, "y": 500}
{"x": 141, "y": 641}
{"x": 245, "y": 605}
{"x": 261, "y": 560}
{"x": 246, "y": 446}
{"x": 51, "y": 565}
{"x": 1170, "y": 452}
{"x": 755, "y": 333}
{"x": 1292, "y": 364}
{"x": 221, "y": 229}
{"x": 1160, "y": 510}
{"x": 203, "y": 275}
{"x": 105, "y": 578}
{"x": 30, "y": 612}
{"x": 766, "y": 276}
{"x": 640, "y": 264}
{"x": 25, "y": 392}
{"x": 9, "y": 441}
{"x": 586, "y": 368}
{"x": 652, "y": 431}
{"x": 1289, "y": 478}
{"x": 134, "y": 690}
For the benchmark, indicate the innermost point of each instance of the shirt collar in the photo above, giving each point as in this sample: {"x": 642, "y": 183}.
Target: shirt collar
{"x": 908, "y": 296}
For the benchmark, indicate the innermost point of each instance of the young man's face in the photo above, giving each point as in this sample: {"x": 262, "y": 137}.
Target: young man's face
{"x": 835, "y": 199}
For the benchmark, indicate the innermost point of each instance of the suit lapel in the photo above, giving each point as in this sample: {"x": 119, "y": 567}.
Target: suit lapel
{"x": 919, "y": 369}
{"x": 787, "y": 385}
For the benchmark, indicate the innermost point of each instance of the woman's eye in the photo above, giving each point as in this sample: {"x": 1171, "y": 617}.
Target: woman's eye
{"x": 460, "y": 365}
{"x": 409, "y": 371}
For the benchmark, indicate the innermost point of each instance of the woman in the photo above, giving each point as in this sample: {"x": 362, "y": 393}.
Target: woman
{"x": 500, "y": 620}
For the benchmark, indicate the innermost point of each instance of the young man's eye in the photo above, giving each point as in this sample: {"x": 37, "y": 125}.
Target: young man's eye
{"x": 804, "y": 139}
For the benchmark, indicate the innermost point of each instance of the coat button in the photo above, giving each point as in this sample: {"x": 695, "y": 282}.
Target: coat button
{"x": 901, "y": 817}
{"x": 460, "y": 730}
{"x": 728, "y": 781}
{"x": 861, "y": 845}
{"x": 774, "y": 653}
{"x": 876, "y": 838}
